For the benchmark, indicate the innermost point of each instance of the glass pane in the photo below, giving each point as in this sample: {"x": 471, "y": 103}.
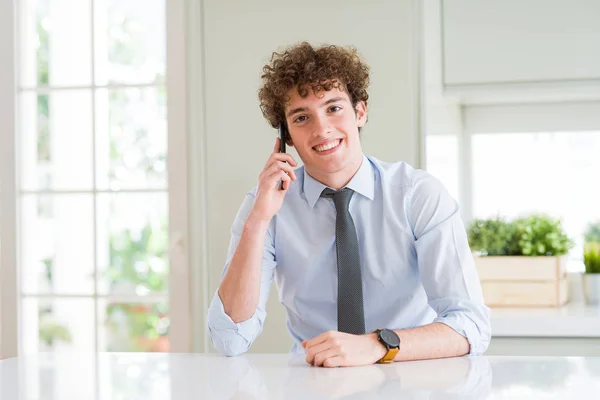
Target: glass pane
{"x": 57, "y": 242}
{"x": 131, "y": 139}
{"x": 56, "y": 43}
{"x": 442, "y": 161}
{"x": 56, "y": 140}
{"x": 132, "y": 243}
{"x": 133, "y": 326}
{"x": 130, "y": 41}
{"x": 57, "y": 325}
{"x": 555, "y": 173}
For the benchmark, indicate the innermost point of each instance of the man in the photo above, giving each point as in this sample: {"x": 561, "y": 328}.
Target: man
{"x": 371, "y": 259}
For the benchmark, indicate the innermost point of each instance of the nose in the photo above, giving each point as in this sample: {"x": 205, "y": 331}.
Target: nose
{"x": 322, "y": 127}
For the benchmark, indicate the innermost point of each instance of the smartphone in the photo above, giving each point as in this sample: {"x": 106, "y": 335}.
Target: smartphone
{"x": 283, "y": 136}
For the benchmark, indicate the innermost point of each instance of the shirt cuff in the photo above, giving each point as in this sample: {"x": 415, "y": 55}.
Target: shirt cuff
{"x": 478, "y": 341}
{"x": 221, "y": 322}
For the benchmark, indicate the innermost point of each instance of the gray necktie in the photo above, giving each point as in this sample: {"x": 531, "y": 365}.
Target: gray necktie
{"x": 351, "y": 318}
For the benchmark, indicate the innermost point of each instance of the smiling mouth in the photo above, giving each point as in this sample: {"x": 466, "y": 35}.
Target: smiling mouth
{"x": 328, "y": 146}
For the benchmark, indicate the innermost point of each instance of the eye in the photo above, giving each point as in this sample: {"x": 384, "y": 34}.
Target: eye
{"x": 301, "y": 118}
{"x": 335, "y": 109}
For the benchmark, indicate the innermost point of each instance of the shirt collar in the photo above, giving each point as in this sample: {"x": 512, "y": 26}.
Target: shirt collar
{"x": 363, "y": 182}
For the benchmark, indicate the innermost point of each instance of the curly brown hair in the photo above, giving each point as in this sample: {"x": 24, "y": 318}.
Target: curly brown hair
{"x": 306, "y": 67}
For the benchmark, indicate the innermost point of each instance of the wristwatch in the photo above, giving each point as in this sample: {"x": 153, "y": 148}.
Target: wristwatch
{"x": 391, "y": 341}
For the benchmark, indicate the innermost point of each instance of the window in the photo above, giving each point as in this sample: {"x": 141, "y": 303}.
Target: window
{"x": 92, "y": 164}
{"x": 517, "y": 173}
{"x": 551, "y": 172}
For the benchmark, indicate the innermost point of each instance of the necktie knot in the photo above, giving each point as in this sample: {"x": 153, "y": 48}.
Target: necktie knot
{"x": 340, "y": 197}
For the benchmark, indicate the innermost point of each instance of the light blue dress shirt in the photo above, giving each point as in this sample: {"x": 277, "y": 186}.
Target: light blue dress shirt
{"x": 417, "y": 266}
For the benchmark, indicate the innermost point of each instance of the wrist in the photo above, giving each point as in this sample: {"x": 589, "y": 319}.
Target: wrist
{"x": 255, "y": 222}
{"x": 379, "y": 348}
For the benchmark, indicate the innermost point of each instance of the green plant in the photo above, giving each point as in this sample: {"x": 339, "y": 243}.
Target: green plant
{"x": 50, "y": 332}
{"x": 139, "y": 258}
{"x": 592, "y": 232}
{"x": 43, "y": 57}
{"x": 492, "y": 237}
{"x": 145, "y": 323}
{"x": 532, "y": 235}
{"x": 542, "y": 235}
{"x": 48, "y": 268}
{"x": 591, "y": 257}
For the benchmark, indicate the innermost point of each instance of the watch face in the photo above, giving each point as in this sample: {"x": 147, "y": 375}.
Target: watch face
{"x": 390, "y": 337}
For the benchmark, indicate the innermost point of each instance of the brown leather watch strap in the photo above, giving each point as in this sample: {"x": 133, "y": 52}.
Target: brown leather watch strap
{"x": 389, "y": 357}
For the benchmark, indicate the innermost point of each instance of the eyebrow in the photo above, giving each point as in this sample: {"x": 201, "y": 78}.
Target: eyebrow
{"x": 302, "y": 109}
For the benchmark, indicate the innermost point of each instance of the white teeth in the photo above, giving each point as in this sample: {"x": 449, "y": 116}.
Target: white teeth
{"x": 328, "y": 146}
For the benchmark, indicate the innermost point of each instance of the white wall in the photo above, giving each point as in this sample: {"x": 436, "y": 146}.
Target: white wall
{"x": 237, "y": 42}
{"x": 490, "y": 41}
{"x": 441, "y": 113}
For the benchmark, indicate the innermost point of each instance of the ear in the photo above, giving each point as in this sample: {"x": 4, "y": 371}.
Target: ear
{"x": 361, "y": 114}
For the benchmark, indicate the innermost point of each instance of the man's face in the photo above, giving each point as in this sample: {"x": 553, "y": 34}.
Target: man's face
{"x": 324, "y": 131}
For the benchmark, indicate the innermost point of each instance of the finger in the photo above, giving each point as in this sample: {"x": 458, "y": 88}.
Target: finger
{"x": 323, "y": 356}
{"x": 273, "y": 179}
{"x": 287, "y": 168}
{"x": 280, "y": 166}
{"x": 276, "y": 173}
{"x": 313, "y": 351}
{"x": 269, "y": 171}
{"x": 319, "y": 339}
{"x": 276, "y": 148}
{"x": 335, "y": 361}
{"x": 286, "y": 181}
{"x": 285, "y": 157}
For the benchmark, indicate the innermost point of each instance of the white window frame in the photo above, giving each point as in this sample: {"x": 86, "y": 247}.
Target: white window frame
{"x": 558, "y": 116}
{"x": 180, "y": 284}
{"x": 180, "y": 332}
{"x": 568, "y": 116}
{"x": 198, "y": 299}
{"x": 8, "y": 185}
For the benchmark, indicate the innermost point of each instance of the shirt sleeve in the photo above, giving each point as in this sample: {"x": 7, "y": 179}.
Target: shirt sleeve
{"x": 228, "y": 337}
{"x": 445, "y": 262}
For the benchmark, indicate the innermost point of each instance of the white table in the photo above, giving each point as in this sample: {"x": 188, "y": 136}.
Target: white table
{"x": 260, "y": 376}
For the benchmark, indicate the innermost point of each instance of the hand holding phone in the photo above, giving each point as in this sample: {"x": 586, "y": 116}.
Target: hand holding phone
{"x": 273, "y": 182}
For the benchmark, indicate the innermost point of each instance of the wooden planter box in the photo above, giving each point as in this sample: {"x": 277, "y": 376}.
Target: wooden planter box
{"x": 514, "y": 281}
